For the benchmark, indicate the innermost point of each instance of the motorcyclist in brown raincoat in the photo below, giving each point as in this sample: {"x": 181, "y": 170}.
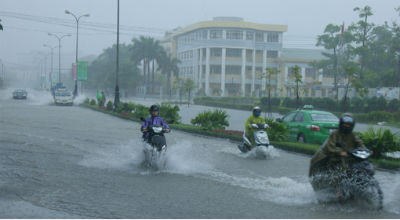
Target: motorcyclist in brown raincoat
{"x": 332, "y": 158}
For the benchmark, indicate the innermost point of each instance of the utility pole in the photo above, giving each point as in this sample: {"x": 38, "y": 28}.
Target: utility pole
{"x": 51, "y": 54}
{"x": 59, "y": 53}
{"x": 76, "y": 53}
{"x": 116, "y": 98}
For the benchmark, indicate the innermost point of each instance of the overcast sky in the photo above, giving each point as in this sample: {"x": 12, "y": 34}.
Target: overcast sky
{"x": 27, "y": 22}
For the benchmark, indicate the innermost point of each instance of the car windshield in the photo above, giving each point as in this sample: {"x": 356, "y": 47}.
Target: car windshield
{"x": 324, "y": 117}
{"x": 63, "y": 93}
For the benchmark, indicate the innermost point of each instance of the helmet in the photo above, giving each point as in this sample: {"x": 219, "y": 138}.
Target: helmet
{"x": 256, "y": 111}
{"x": 154, "y": 108}
{"x": 346, "y": 123}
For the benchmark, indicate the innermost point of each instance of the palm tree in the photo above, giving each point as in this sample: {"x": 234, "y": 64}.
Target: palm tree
{"x": 168, "y": 65}
{"x": 148, "y": 50}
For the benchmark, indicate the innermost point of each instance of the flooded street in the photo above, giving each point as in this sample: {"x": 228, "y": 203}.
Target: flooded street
{"x": 72, "y": 162}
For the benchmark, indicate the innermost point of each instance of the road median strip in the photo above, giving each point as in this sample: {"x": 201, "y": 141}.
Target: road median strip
{"x": 235, "y": 136}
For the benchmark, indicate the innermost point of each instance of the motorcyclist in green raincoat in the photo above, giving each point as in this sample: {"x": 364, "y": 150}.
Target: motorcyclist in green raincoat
{"x": 255, "y": 118}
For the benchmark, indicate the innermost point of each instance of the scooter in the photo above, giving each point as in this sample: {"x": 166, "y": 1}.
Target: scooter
{"x": 154, "y": 148}
{"x": 261, "y": 141}
{"x": 358, "y": 182}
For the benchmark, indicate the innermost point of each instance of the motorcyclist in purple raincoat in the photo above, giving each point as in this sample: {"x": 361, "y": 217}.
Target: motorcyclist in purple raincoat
{"x": 153, "y": 120}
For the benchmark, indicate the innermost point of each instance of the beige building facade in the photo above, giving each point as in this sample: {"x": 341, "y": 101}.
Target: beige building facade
{"x": 227, "y": 56}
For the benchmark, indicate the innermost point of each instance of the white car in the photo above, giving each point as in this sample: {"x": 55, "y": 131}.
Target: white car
{"x": 63, "y": 97}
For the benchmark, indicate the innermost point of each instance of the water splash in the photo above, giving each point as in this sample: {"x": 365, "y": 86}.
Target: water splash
{"x": 184, "y": 158}
{"x": 390, "y": 184}
{"x": 121, "y": 156}
{"x": 282, "y": 190}
{"x": 261, "y": 153}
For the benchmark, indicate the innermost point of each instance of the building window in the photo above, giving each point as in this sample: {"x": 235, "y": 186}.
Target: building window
{"x": 250, "y": 35}
{"x": 260, "y": 36}
{"x": 323, "y": 92}
{"x": 204, "y": 34}
{"x": 216, "y": 52}
{"x": 273, "y": 37}
{"x": 215, "y": 34}
{"x": 234, "y": 35}
{"x": 233, "y": 52}
{"x": 215, "y": 69}
{"x": 310, "y": 73}
{"x": 233, "y": 70}
{"x": 272, "y": 54}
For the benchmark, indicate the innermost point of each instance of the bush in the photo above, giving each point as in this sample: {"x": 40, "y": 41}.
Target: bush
{"x": 140, "y": 111}
{"x": 357, "y": 105}
{"x": 125, "y": 107}
{"x": 93, "y": 102}
{"x": 170, "y": 113}
{"x": 376, "y": 104}
{"x": 380, "y": 142}
{"x": 109, "y": 105}
{"x": 276, "y": 131}
{"x": 210, "y": 120}
{"x": 86, "y": 101}
{"x": 394, "y": 105}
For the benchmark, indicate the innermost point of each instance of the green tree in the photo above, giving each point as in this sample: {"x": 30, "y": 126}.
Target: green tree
{"x": 334, "y": 39}
{"x": 362, "y": 36}
{"x": 148, "y": 51}
{"x": 188, "y": 86}
{"x": 1, "y": 26}
{"x": 101, "y": 72}
{"x": 295, "y": 70}
{"x": 177, "y": 84}
{"x": 396, "y": 46}
{"x": 168, "y": 65}
{"x": 269, "y": 72}
{"x": 350, "y": 70}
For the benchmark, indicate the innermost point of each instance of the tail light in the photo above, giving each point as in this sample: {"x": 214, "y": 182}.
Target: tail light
{"x": 315, "y": 128}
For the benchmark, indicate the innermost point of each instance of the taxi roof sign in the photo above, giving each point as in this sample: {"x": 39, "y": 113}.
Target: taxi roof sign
{"x": 308, "y": 107}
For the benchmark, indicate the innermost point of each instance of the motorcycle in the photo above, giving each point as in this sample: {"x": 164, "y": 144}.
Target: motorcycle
{"x": 261, "y": 141}
{"x": 357, "y": 182}
{"x": 155, "y": 147}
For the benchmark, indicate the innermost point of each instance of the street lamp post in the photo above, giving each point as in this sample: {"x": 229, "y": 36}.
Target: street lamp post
{"x": 51, "y": 51}
{"x": 116, "y": 98}
{"x": 77, "y": 18}
{"x": 59, "y": 53}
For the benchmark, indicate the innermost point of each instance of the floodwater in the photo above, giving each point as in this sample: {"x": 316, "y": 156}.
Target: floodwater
{"x": 72, "y": 162}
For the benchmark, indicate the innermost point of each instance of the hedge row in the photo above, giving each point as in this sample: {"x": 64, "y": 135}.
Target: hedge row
{"x": 370, "y": 117}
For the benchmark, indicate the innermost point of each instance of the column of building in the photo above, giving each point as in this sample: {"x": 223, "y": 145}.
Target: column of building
{"x": 223, "y": 61}
{"x": 207, "y": 78}
{"x": 201, "y": 69}
{"x": 195, "y": 66}
{"x": 264, "y": 66}
{"x": 243, "y": 73}
{"x": 253, "y": 72}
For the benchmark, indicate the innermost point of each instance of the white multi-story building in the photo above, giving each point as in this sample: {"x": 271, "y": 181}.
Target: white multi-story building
{"x": 227, "y": 56}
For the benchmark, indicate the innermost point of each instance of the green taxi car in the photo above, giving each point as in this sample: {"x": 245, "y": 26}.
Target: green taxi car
{"x": 310, "y": 126}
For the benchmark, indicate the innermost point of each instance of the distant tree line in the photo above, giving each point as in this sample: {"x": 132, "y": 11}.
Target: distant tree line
{"x": 364, "y": 55}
